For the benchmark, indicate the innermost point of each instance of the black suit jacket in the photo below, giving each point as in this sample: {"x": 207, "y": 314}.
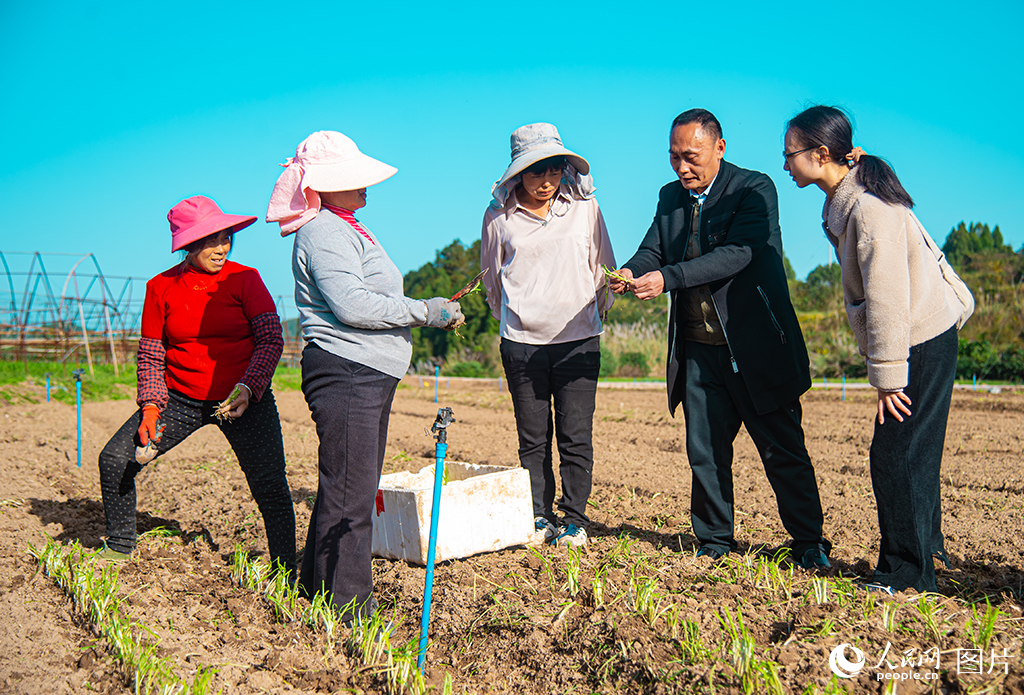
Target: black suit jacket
{"x": 741, "y": 261}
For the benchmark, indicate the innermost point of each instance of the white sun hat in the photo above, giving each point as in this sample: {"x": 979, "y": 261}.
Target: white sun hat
{"x": 325, "y": 161}
{"x": 534, "y": 142}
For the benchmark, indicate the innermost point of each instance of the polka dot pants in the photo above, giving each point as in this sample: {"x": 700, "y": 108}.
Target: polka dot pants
{"x": 256, "y": 440}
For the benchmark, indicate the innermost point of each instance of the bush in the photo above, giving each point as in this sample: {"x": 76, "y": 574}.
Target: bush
{"x": 470, "y": 369}
{"x": 633, "y": 364}
{"x": 609, "y": 362}
{"x": 979, "y": 358}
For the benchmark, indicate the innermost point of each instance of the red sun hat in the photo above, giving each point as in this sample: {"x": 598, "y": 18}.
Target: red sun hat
{"x": 198, "y": 217}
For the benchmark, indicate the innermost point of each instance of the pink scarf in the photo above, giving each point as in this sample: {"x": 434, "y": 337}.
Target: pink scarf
{"x": 350, "y": 217}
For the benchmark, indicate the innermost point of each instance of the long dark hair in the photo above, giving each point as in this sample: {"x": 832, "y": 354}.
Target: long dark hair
{"x": 830, "y": 126}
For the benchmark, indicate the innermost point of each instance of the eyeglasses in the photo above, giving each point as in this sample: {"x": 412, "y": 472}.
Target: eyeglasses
{"x": 787, "y": 155}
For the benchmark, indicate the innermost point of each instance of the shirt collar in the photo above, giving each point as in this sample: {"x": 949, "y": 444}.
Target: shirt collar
{"x": 702, "y": 197}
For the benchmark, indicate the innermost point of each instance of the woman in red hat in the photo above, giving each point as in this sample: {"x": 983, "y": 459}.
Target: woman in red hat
{"x": 210, "y": 332}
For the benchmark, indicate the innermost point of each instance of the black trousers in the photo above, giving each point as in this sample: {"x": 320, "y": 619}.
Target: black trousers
{"x": 565, "y": 373}
{"x": 255, "y": 438}
{"x": 715, "y": 404}
{"x": 906, "y": 458}
{"x": 351, "y": 405}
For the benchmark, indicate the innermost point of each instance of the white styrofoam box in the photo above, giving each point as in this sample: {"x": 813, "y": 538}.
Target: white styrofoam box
{"x": 483, "y": 508}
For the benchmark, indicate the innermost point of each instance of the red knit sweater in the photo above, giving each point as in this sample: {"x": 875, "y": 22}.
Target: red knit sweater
{"x": 204, "y": 322}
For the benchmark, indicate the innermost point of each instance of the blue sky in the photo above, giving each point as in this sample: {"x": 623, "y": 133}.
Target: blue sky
{"x": 114, "y": 112}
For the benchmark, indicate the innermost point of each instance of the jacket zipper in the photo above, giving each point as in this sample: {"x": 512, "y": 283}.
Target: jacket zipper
{"x": 782, "y": 335}
{"x": 671, "y": 330}
{"x": 732, "y": 358}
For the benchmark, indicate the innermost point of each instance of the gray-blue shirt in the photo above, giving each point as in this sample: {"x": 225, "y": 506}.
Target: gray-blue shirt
{"x": 350, "y": 296}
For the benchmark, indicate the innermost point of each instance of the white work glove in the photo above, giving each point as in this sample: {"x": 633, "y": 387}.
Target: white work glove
{"x": 442, "y": 313}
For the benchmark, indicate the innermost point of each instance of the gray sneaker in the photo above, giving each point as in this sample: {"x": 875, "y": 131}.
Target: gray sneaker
{"x": 571, "y": 536}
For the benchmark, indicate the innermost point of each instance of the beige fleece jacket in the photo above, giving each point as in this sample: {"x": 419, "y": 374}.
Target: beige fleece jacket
{"x": 895, "y": 294}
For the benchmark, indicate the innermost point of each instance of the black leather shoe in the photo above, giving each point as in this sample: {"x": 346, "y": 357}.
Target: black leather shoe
{"x": 707, "y": 551}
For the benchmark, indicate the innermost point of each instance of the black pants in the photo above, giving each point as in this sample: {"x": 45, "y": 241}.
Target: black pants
{"x": 256, "y": 440}
{"x": 566, "y": 373}
{"x": 906, "y": 458}
{"x": 351, "y": 404}
{"x": 716, "y": 403}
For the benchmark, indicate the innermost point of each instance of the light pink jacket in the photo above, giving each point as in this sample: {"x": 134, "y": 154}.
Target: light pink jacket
{"x": 895, "y": 294}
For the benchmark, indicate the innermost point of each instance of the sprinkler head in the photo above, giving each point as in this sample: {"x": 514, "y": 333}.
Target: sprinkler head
{"x": 445, "y": 417}
{"x": 78, "y": 374}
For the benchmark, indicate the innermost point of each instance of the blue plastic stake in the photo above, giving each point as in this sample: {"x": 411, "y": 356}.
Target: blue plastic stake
{"x": 437, "y": 375}
{"x": 499, "y": 384}
{"x": 844, "y": 387}
{"x": 78, "y": 407}
{"x": 824, "y": 381}
{"x": 974, "y": 383}
{"x": 47, "y": 387}
{"x": 444, "y": 418}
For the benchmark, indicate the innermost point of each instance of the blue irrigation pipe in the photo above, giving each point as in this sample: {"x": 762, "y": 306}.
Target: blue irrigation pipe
{"x": 444, "y": 418}
{"x": 47, "y": 387}
{"x": 437, "y": 376}
{"x": 844, "y": 387}
{"x": 78, "y": 406}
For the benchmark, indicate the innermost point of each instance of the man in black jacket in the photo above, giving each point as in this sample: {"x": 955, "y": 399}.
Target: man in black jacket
{"x": 735, "y": 351}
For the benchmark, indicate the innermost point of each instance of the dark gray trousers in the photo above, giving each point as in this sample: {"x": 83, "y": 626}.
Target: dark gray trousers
{"x": 906, "y": 458}
{"x": 256, "y": 440}
{"x": 351, "y": 405}
{"x": 565, "y": 373}
{"x": 716, "y": 403}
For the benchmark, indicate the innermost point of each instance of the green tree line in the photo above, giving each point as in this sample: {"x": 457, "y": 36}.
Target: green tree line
{"x": 991, "y": 344}
{"x": 992, "y": 341}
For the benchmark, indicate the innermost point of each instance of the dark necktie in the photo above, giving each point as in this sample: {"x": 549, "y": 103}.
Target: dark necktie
{"x": 695, "y": 217}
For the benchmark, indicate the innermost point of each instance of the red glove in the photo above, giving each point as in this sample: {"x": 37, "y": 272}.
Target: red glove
{"x": 148, "y": 430}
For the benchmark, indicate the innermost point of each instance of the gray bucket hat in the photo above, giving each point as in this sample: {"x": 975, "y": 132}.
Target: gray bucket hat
{"x": 534, "y": 142}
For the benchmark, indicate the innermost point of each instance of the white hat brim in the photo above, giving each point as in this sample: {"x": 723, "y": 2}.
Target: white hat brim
{"x": 359, "y": 172}
{"x": 527, "y": 159}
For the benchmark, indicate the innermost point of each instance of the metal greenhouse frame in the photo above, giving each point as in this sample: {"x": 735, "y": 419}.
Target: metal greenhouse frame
{"x": 92, "y": 313}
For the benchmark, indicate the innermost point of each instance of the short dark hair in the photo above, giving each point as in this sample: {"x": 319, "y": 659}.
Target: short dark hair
{"x": 830, "y": 126}
{"x": 705, "y": 118}
{"x": 556, "y": 163}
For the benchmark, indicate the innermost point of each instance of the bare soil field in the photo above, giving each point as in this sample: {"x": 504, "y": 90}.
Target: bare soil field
{"x": 635, "y": 613}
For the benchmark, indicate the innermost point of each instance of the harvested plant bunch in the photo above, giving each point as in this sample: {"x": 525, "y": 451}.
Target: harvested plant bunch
{"x": 223, "y": 413}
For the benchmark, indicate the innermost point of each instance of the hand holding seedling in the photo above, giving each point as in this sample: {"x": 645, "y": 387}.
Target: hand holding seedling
{"x": 458, "y": 318}
{"x": 443, "y": 313}
{"x": 150, "y": 431}
{"x": 234, "y": 405}
{"x": 648, "y": 286}
{"x": 148, "y": 428}
{"x": 619, "y": 281}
